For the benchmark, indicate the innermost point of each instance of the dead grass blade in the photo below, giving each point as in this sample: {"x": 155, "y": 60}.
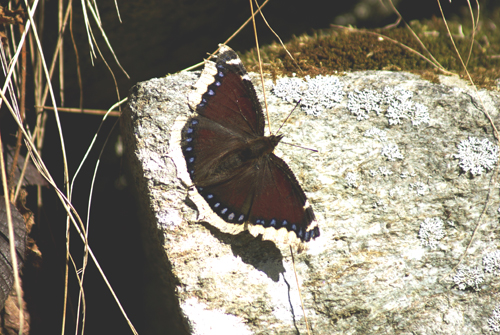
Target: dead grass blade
{"x": 70, "y": 210}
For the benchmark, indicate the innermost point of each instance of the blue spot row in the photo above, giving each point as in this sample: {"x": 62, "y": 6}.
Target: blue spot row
{"x": 273, "y": 223}
{"x": 188, "y": 150}
{"x": 212, "y": 88}
{"x": 300, "y": 232}
{"x": 224, "y": 212}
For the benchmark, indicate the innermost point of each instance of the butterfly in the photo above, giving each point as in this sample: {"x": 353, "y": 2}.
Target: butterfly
{"x": 231, "y": 162}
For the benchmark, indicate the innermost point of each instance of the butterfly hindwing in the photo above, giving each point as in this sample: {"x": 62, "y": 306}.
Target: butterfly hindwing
{"x": 232, "y": 198}
{"x": 279, "y": 201}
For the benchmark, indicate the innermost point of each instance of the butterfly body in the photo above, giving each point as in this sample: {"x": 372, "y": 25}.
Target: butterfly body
{"x": 231, "y": 162}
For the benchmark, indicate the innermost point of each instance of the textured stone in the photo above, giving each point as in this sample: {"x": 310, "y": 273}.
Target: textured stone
{"x": 368, "y": 272}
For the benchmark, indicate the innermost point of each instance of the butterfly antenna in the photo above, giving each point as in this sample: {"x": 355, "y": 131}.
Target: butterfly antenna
{"x": 300, "y": 293}
{"x": 289, "y": 114}
{"x": 293, "y": 145}
{"x": 298, "y": 146}
{"x": 260, "y": 63}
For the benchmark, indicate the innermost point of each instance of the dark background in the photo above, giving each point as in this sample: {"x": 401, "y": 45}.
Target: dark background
{"x": 155, "y": 38}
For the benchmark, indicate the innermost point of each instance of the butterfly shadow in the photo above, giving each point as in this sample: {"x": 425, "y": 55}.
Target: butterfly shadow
{"x": 261, "y": 254}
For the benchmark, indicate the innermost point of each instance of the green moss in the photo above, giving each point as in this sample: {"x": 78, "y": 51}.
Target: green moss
{"x": 341, "y": 50}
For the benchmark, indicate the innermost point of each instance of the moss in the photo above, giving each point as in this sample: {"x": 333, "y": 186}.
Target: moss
{"x": 339, "y": 50}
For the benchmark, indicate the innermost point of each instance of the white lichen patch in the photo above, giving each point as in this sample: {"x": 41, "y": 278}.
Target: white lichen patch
{"x": 494, "y": 320}
{"x": 401, "y": 107}
{"x": 392, "y": 94}
{"x": 399, "y": 111}
{"x": 289, "y": 89}
{"x": 396, "y": 102}
{"x": 406, "y": 174}
{"x": 360, "y": 103}
{"x": 431, "y": 231}
{"x": 419, "y": 115}
{"x": 469, "y": 277}
{"x": 323, "y": 92}
{"x": 315, "y": 94}
{"x": 385, "y": 171}
{"x": 476, "y": 155}
{"x": 491, "y": 262}
{"x": 391, "y": 152}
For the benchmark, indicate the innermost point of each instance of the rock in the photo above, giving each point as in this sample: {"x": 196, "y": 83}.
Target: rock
{"x": 397, "y": 204}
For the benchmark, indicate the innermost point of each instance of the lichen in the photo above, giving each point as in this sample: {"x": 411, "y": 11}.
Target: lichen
{"x": 385, "y": 171}
{"x": 360, "y": 103}
{"x": 476, "y": 155}
{"x": 469, "y": 277}
{"x": 391, "y": 152}
{"x": 431, "y": 231}
{"x": 494, "y": 320}
{"x": 420, "y": 114}
{"x": 491, "y": 262}
{"x": 315, "y": 94}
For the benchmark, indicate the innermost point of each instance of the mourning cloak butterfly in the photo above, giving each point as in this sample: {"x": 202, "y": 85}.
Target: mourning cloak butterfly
{"x": 231, "y": 162}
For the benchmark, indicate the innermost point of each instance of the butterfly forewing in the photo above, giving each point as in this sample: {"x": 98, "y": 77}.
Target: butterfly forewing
{"x": 236, "y": 106}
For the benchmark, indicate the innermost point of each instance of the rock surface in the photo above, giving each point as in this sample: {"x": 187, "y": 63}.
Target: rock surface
{"x": 395, "y": 209}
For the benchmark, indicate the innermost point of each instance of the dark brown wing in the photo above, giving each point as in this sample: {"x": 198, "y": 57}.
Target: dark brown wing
{"x": 279, "y": 201}
{"x": 225, "y": 94}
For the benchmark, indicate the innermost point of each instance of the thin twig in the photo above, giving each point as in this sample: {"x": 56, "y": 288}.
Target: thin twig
{"x": 77, "y": 58}
{"x": 82, "y": 111}
{"x": 70, "y": 210}
{"x": 228, "y": 40}
{"x": 404, "y": 46}
{"x": 300, "y": 293}
{"x": 279, "y": 39}
{"x": 260, "y": 65}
